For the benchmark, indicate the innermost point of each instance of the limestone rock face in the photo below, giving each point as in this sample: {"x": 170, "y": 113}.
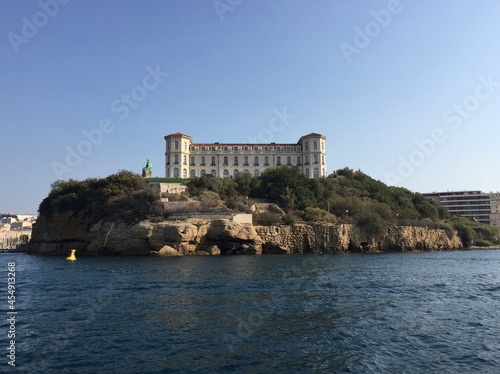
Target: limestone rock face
{"x": 350, "y": 238}
{"x": 214, "y": 250}
{"x": 60, "y": 233}
{"x": 172, "y": 232}
{"x": 234, "y": 238}
{"x": 224, "y": 229}
{"x": 120, "y": 238}
{"x": 168, "y": 251}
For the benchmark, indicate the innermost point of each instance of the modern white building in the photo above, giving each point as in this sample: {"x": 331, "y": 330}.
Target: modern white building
{"x": 475, "y": 205}
{"x": 186, "y": 159}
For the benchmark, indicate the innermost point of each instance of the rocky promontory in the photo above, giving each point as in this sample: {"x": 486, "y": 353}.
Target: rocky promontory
{"x": 63, "y": 232}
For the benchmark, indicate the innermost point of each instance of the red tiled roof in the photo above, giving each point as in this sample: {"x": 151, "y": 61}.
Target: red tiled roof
{"x": 247, "y": 144}
{"x": 311, "y": 134}
{"x": 178, "y": 133}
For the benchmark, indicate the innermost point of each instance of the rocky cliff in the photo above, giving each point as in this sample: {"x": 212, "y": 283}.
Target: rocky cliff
{"x": 213, "y": 237}
{"x": 350, "y": 238}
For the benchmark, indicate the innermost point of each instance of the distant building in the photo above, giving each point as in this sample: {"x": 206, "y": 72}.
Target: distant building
{"x": 475, "y": 205}
{"x": 20, "y": 225}
{"x": 185, "y": 159}
{"x": 8, "y": 220}
{"x": 26, "y": 217}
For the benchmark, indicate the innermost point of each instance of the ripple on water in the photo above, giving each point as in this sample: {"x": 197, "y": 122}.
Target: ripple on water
{"x": 392, "y": 313}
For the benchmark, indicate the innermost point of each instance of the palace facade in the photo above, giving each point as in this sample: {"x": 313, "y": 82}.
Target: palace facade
{"x": 185, "y": 159}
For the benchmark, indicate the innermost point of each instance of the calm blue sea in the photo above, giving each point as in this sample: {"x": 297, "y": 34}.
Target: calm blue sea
{"x": 386, "y": 313}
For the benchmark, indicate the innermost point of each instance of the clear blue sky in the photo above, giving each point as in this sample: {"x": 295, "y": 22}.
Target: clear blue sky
{"x": 375, "y": 77}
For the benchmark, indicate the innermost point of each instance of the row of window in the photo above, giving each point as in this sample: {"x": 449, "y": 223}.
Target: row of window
{"x": 315, "y": 147}
{"x": 247, "y": 149}
{"x": 225, "y": 173}
{"x": 279, "y": 160}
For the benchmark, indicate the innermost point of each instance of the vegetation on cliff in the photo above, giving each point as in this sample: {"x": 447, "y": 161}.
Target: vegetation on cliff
{"x": 345, "y": 196}
{"x": 123, "y": 195}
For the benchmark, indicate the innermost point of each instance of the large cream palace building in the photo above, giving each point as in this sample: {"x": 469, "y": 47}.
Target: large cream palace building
{"x": 185, "y": 159}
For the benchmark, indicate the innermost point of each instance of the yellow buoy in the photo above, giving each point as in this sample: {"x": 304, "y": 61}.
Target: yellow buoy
{"x": 72, "y": 257}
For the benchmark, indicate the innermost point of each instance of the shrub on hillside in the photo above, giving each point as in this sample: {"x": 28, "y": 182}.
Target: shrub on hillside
{"x": 123, "y": 195}
{"x": 266, "y": 219}
{"x": 238, "y": 204}
{"x": 289, "y": 219}
{"x": 374, "y": 225}
{"x": 209, "y": 199}
{"x": 318, "y": 215}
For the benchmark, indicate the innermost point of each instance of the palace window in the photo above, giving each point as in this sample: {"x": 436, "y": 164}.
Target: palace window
{"x": 235, "y": 173}
{"x": 213, "y": 172}
{"x": 316, "y": 159}
{"x": 185, "y": 160}
{"x": 266, "y": 161}
{"x": 299, "y": 161}
{"x": 288, "y": 160}
{"x": 176, "y": 160}
{"x": 192, "y": 173}
{"x": 235, "y": 160}
{"x": 316, "y": 173}
{"x": 226, "y": 161}
{"x": 245, "y": 161}
{"x": 192, "y": 161}
{"x": 202, "y": 161}
{"x": 307, "y": 146}
{"x": 202, "y": 172}
{"x": 315, "y": 145}
{"x": 225, "y": 174}
{"x": 213, "y": 161}
{"x": 256, "y": 161}
{"x": 176, "y": 173}
{"x": 278, "y": 161}
{"x": 184, "y": 173}
{"x": 176, "y": 144}
{"x": 256, "y": 173}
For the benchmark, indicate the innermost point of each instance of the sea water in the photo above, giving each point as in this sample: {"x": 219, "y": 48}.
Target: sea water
{"x": 434, "y": 312}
